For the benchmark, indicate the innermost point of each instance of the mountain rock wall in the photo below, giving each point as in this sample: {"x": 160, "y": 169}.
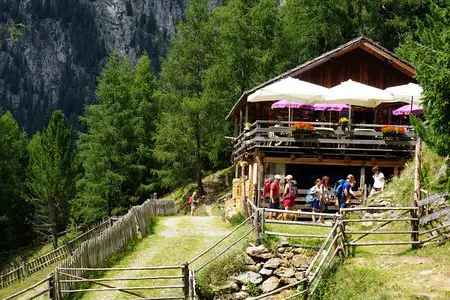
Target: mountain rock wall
{"x": 56, "y": 60}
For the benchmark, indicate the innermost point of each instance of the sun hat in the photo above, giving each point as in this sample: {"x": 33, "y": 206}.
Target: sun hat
{"x": 289, "y": 177}
{"x": 277, "y": 176}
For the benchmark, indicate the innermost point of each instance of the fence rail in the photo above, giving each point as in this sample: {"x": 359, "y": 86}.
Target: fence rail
{"x": 36, "y": 264}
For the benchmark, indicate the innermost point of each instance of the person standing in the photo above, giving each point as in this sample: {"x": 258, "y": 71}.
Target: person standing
{"x": 325, "y": 193}
{"x": 378, "y": 180}
{"x": 314, "y": 192}
{"x": 289, "y": 195}
{"x": 194, "y": 202}
{"x": 275, "y": 195}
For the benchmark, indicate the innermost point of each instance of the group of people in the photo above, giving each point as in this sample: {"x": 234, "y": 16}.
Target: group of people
{"x": 318, "y": 196}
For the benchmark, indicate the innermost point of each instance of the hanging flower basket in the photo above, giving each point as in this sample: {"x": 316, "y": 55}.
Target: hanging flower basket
{"x": 301, "y": 129}
{"x": 393, "y": 133}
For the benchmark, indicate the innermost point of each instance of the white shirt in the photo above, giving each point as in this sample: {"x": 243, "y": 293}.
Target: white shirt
{"x": 378, "y": 180}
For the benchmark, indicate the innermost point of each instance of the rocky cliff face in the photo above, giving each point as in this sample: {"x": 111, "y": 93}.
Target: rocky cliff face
{"x": 58, "y": 57}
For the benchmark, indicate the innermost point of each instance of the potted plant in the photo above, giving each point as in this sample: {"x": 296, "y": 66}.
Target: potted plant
{"x": 344, "y": 122}
{"x": 392, "y": 132}
{"x": 301, "y": 128}
{"x": 247, "y": 126}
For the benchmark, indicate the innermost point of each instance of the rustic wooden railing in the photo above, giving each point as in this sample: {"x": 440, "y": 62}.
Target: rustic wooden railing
{"x": 12, "y": 275}
{"x": 362, "y": 139}
{"x": 68, "y": 278}
{"x": 44, "y": 287}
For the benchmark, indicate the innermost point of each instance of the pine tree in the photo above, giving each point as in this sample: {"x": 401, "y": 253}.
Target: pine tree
{"x": 429, "y": 49}
{"x": 115, "y": 152}
{"x": 50, "y": 175}
{"x": 14, "y": 210}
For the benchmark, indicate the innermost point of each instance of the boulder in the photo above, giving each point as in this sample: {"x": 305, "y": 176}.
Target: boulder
{"x": 254, "y": 268}
{"x": 288, "y": 255}
{"x": 266, "y": 272}
{"x": 299, "y": 261}
{"x": 298, "y": 251}
{"x": 270, "y": 284}
{"x": 272, "y": 263}
{"x": 228, "y": 287}
{"x": 241, "y": 295}
{"x": 247, "y": 277}
{"x": 281, "y": 249}
{"x": 299, "y": 275}
{"x": 288, "y": 280}
{"x": 285, "y": 272}
{"x": 265, "y": 256}
{"x": 248, "y": 260}
{"x": 256, "y": 251}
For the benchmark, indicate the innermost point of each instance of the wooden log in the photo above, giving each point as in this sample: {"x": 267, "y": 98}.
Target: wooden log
{"x": 302, "y": 212}
{"x": 382, "y": 232}
{"x": 124, "y": 279}
{"x": 125, "y": 288}
{"x": 434, "y": 229}
{"x": 221, "y": 240}
{"x": 433, "y": 216}
{"x": 431, "y": 199}
{"x": 27, "y": 289}
{"x": 185, "y": 274}
{"x": 226, "y": 249}
{"x": 321, "y": 236}
{"x": 379, "y": 208}
{"x": 299, "y": 223}
{"x": 382, "y": 243}
{"x": 434, "y": 237}
{"x": 125, "y": 269}
{"x": 379, "y": 220}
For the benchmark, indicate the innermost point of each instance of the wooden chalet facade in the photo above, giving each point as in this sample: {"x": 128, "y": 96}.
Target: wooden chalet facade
{"x": 267, "y": 148}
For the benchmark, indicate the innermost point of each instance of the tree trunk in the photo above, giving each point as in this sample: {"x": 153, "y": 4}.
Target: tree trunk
{"x": 54, "y": 235}
{"x": 201, "y": 190}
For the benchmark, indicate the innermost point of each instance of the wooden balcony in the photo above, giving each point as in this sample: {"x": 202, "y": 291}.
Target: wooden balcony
{"x": 362, "y": 142}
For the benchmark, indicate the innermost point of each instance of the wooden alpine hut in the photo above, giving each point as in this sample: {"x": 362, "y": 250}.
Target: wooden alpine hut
{"x": 265, "y": 145}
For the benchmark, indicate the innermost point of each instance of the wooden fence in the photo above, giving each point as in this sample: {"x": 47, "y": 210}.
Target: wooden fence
{"x": 11, "y": 275}
{"x": 95, "y": 251}
{"x": 45, "y": 286}
{"x": 177, "y": 283}
{"x": 421, "y": 220}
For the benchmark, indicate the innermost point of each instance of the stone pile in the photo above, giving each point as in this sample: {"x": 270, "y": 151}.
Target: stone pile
{"x": 266, "y": 271}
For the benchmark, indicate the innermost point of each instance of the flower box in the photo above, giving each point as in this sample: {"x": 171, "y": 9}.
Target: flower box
{"x": 301, "y": 128}
{"x": 391, "y": 132}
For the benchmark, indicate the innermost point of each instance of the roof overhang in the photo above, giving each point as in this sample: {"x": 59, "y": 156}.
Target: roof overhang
{"x": 364, "y": 43}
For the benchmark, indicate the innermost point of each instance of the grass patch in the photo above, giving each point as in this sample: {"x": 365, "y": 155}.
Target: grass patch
{"x": 236, "y": 219}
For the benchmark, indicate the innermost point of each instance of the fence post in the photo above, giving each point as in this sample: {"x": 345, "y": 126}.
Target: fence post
{"x": 257, "y": 225}
{"x": 305, "y": 288}
{"x": 185, "y": 274}
{"x": 414, "y": 212}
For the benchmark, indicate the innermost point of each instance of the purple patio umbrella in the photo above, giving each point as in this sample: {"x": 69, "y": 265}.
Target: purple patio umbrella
{"x": 331, "y": 107}
{"x": 406, "y": 110}
{"x": 288, "y": 104}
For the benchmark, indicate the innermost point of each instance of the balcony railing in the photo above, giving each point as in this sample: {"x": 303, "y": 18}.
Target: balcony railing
{"x": 327, "y": 139}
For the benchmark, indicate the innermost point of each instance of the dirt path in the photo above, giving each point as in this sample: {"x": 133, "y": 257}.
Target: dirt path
{"x": 176, "y": 240}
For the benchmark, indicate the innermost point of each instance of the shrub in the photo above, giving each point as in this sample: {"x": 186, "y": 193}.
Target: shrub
{"x": 236, "y": 219}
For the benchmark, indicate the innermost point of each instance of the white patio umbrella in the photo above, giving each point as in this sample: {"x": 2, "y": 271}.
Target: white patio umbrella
{"x": 290, "y": 89}
{"x": 410, "y": 93}
{"x": 355, "y": 93}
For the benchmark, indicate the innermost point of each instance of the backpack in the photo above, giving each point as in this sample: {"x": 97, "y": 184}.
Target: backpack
{"x": 310, "y": 198}
{"x": 293, "y": 191}
{"x": 338, "y": 188}
{"x": 190, "y": 200}
{"x": 267, "y": 186}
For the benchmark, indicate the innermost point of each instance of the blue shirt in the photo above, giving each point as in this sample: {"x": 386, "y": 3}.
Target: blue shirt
{"x": 347, "y": 186}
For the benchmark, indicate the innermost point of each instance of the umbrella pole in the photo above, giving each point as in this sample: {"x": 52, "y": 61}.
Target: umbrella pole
{"x": 289, "y": 113}
{"x": 349, "y": 117}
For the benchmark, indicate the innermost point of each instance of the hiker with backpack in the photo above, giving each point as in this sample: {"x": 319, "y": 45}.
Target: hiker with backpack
{"x": 275, "y": 195}
{"x": 266, "y": 193}
{"x": 193, "y": 201}
{"x": 289, "y": 195}
{"x": 313, "y": 198}
{"x": 345, "y": 191}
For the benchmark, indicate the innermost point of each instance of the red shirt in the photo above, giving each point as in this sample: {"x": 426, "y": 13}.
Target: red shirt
{"x": 275, "y": 187}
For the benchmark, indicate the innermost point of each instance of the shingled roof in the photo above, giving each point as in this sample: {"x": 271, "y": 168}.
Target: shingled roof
{"x": 360, "y": 42}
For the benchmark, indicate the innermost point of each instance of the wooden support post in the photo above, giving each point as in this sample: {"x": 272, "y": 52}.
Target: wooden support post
{"x": 414, "y": 212}
{"x": 185, "y": 274}
{"x": 257, "y": 225}
{"x": 263, "y": 218}
{"x": 396, "y": 171}
{"x": 362, "y": 180}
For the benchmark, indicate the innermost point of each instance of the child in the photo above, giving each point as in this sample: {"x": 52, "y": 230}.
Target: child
{"x": 315, "y": 193}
